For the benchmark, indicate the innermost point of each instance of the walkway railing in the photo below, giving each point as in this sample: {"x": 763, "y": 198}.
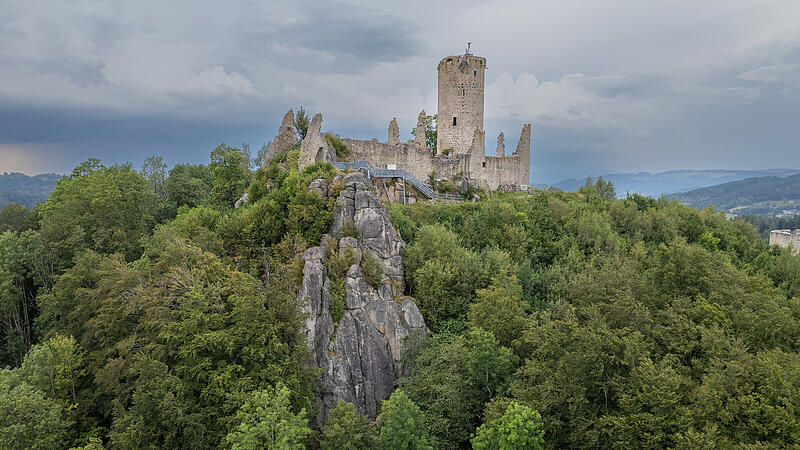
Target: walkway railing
{"x": 387, "y": 173}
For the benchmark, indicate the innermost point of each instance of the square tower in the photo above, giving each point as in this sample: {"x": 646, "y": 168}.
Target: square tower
{"x": 460, "y": 102}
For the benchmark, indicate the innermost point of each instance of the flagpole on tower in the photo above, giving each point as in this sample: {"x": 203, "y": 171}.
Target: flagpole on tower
{"x": 469, "y": 44}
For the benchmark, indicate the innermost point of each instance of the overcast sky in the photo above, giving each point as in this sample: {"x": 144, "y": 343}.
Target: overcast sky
{"x": 610, "y": 86}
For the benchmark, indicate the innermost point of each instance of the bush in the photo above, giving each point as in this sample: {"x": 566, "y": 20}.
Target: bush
{"x": 372, "y": 270}
{"x": 341, "y": 148}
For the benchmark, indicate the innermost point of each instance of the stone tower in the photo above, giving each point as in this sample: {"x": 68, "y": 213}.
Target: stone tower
{"x": 460, "y": 102}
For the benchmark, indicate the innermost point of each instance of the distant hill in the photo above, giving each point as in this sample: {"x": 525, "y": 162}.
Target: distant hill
{"x": 765, "y": 196}
{"x": 24, "y": 189}
{"x": 674, "y": 181}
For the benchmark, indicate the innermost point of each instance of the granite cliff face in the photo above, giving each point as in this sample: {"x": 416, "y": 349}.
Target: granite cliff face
{"x": 359, "y": 357}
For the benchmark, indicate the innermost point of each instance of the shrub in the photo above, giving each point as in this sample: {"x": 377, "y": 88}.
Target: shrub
{"x": 341, "y": 148}
{"x": 372, "y": 270}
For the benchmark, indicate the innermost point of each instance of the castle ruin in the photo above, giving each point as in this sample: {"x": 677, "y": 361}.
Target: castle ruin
{"x": 460, "y": 150}
{"x": 786, "y": 238}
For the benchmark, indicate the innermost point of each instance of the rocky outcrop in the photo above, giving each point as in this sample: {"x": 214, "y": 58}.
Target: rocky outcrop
{"x": 314, "y": 148}
{"x": 359, "y": 357}
{"x": 285, "y": 138}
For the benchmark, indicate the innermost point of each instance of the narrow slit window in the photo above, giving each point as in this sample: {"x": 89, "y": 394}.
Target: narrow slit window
{"x": 475, "y": 73}
{"x": 454, "y": 121}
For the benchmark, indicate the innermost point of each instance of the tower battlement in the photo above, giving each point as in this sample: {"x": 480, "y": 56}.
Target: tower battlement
{"x": 460, "y": 94}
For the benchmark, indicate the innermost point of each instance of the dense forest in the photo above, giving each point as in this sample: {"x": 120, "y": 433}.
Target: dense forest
{"x": 26, "y": 190}
{"x": 766, "y": 224}
{"x": 140, "y": 309}
{"x": 766, "y": 196}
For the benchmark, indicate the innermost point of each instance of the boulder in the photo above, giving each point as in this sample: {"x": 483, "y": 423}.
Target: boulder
{"x": 319, "y": 187}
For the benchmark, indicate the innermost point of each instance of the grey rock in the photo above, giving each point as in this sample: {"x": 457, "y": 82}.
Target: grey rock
{"x": 285, "y": 138}
{"x": 245, "y": 198}
{"x": 462, "y": 183}
{"x": 359, "y": 358}
{"x": 313, "y": 148}
{"x": 319, "y": 187}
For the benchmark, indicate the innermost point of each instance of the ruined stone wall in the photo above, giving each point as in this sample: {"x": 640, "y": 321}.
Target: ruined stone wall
{"x": 501, "y": 171}
{"x": 460, "y": 92}
{"x": 407, "y": 156}
{"x": 786, "y": 238}
{"x": 510, "y": 171}
{"x": 491, "y": 172}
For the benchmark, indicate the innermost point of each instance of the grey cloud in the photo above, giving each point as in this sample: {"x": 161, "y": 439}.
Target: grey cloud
{"x": 356, "y": 38}
{"x": 784, "y": 70}
{"x": 616, "y": 85}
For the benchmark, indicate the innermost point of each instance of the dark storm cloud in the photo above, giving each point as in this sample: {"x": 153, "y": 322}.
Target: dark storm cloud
{"x": 616, "y": 85}
{"x": 344, "y": 38}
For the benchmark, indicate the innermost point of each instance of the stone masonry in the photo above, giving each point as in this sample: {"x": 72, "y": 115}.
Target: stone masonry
{"x": 460, "y": 101}
{"x": 285, "y": 138}
{"x": 460, "y": 137}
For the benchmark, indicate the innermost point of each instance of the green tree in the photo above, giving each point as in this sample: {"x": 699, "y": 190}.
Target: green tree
{"x": 55, "y": 367}
{"x": 430, "y": 131}
{"x": 488, "y": 364}
{"x": 27, "y": 418}
{"x": 520, "y": 427}
{"x": 189, "y": 185}
{"x": 15, "y": 217}
{"x": 402, "y": 425}
{"x": 231, "y": 175}
{"x": 301, "y": 122}
{"x": 452, "y": 377}
{"x": 108, "y": 209}
{"x": 24, "y": 269}
{"x": 499, "y": 309}
{"x": 267, "y": 421}
{"x": 443, "y": 275}
{"x": 158, "y": 416}
{"x": 346, "y": 429}
{"x": 155, "y": 171}
{"x": 92, "y": 443}
{"x": 601, "y": 189}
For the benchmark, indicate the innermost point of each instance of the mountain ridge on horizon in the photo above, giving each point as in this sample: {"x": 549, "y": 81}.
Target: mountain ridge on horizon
{"x": 673, "y": 181}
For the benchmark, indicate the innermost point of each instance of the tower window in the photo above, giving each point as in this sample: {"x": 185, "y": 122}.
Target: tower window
{"x": 475, "y": 72}
{"x": 454, "y": 121}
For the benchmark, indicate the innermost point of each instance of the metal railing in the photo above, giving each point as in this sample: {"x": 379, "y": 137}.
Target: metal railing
{"x": 387, "y": 173}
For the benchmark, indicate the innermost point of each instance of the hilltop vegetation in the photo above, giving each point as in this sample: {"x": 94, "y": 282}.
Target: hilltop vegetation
{"x": 141, "y": 310}
{"x": 765, "y": 196}
{"x": 26, "y": 190}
